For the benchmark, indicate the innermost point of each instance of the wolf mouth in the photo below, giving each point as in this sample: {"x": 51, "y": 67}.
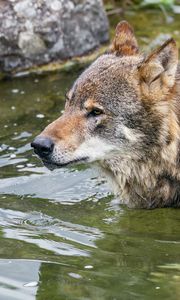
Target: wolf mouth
{"x": 51, "y": 164}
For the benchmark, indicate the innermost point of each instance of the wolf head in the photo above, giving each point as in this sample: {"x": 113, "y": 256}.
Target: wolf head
{"x": 119, "y": 106}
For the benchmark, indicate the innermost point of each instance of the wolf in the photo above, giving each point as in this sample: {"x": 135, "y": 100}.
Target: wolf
{"x": 123, "y": 114}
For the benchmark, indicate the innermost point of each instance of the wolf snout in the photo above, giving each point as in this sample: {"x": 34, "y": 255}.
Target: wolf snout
{"x": 43, "y": 146}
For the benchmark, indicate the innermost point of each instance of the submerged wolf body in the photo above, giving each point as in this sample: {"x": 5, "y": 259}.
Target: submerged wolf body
{"x": 123, "y": 114}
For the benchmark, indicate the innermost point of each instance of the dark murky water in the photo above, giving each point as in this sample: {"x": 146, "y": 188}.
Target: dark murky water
{"x": 62, "y": 234}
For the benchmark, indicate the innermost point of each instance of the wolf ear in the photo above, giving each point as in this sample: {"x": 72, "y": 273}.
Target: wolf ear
{"x": 159, "y": 68}
{"x": 124, "y": 42}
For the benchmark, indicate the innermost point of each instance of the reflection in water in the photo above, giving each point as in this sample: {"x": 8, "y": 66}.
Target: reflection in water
{"x": 126, "y": 265}
{"x": 62, "y": 186}
{"x": 131, "y": 256}
{"x": 62, "y": 234}
{"x": 14, "y": 275}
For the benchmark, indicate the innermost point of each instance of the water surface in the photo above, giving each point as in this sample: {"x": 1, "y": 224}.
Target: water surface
{"x": 63, "y": 234}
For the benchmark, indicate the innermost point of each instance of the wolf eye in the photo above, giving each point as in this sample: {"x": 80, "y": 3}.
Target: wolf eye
{"x": 95, "y": 112}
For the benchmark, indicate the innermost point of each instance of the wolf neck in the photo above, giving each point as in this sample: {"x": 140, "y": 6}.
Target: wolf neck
{"x": 150, "y": 182}
{"x": 145, "y": 184}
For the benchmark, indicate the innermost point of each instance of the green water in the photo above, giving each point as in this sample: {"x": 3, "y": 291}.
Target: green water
{"x": 63, "y": 234}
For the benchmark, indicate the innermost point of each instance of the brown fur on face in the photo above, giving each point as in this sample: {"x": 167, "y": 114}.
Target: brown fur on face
{"x": 123, "y": 113}
{"x": 64, "y": 130}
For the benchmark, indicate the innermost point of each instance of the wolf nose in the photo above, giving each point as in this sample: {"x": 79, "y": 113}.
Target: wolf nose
{"x": 43, "y": 146}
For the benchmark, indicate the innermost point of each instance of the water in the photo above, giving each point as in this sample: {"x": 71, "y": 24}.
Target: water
{"x": 63, "y": 234}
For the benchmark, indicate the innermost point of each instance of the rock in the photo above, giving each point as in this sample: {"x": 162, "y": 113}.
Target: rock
{"x": 56, "y": 5}
{"x": 34, "y": 32}
{"x": 31, "y": 44}
{"x": 25, "y": 9}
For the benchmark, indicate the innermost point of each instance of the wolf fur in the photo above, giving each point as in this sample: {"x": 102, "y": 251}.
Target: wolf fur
{"x": 123, "y": 114}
